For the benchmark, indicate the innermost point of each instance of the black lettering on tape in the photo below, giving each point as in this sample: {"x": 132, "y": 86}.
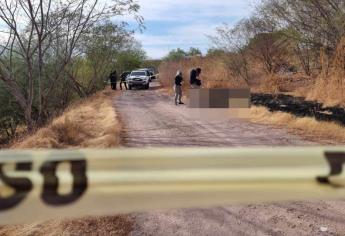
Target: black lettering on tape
{"x": 336, "y": 160}
{"x": 50, "y": 193}
{"x": 21, "y": 186}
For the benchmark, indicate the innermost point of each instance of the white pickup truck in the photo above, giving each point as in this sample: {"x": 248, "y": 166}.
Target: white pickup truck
{"x": 139, "y": 78}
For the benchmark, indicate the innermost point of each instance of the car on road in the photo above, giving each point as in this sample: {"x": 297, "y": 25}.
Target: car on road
{"x": 139, "y": 78}
{"x": 151, "y": 71}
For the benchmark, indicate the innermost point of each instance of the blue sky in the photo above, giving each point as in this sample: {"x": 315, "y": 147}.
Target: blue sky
{"x": 186, "y": 23}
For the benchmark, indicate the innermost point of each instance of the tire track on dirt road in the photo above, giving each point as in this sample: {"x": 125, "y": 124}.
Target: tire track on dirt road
{"x": 150, "y": 119}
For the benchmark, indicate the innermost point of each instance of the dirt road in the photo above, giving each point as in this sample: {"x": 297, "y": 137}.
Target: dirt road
{"x": 151, "y": 119}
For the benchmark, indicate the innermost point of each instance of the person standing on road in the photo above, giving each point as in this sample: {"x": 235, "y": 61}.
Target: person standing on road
{"x": 113, "y": 79}
{"x": 123, "y": 77}
{"x": 195, "y": 82}
{"x": 178, "y": 88}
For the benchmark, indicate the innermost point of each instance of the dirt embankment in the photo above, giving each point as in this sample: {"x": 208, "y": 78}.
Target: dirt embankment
{"x": 90, "y": 123}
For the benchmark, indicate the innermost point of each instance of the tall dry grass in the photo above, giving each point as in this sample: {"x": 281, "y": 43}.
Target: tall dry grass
{"x": 91, "y": 123}
{"x": 215, "y": 74}
{"x": 330, "y": 85}
{"x": 327, "y": 89}
{"x": 320, "y": 131}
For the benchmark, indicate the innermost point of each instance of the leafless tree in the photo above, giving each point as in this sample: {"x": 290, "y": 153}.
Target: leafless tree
{"x": 232, "y": 40}
{"x": 320, "y": 23}
{"x": 42, "y": 31}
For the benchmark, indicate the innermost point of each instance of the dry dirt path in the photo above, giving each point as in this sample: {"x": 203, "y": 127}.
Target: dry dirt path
{"x": 151, "y": 120}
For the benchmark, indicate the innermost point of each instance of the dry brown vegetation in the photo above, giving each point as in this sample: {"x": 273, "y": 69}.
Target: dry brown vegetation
{"x": 214, "y": 72}
{"x": 330, "y": 86}
{"x": 317, "y": 130}
{"x": 217, "y": 74}
{"x": 90, "y": 123}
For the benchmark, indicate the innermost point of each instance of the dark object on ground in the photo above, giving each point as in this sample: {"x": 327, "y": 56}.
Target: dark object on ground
{"x": 299, "y": 107}
{"x": 219, "y": 98}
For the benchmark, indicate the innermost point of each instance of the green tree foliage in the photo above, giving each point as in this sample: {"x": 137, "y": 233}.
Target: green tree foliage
{"x": 194, "y": 52}
{"x": 151, "y": 64}
{"x": 10, "y": 115}
{"x": 130, "y": 59}
{"x": 178, "y": 54}
{"x": 58, "y": 51}
{"x": 107, "y": 47}
{"x": 215, "y": 52}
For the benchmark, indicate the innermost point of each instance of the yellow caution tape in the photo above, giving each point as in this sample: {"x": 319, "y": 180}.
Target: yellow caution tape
{"x": 41, "y": 185}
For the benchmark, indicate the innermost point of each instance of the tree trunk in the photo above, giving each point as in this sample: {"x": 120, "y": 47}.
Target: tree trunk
{"x": 28, "y": 118}
{"x": 14, "y": 89}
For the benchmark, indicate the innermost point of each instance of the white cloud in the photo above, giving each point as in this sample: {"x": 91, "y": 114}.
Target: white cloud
{"x": 179, "y": 35}
{"x": 157, "y": 52}
{"x": 182, "y": 36}
{"x": 178, "y": 10}
{"x": 192, "y": 21}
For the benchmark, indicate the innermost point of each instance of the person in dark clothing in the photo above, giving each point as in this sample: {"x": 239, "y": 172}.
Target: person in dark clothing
{"x": 195, "y": 82}
{"x": 123, "y": 77}
{"x": 178, "y": 88}
{"x": 113, "y": 80}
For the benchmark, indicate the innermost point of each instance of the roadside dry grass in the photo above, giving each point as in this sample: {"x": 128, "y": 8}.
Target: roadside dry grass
{"x": 214, "y": 74}
{"x": 91, "y": 123}
{"x": 329, "y": 88}
{"x": 328, "y": 132}
{"x": 330, "y": 84}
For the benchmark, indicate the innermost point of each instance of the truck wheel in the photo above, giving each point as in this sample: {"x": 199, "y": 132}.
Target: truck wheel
{"x": 129, "y": 87}
{"x": 147, "y": 87}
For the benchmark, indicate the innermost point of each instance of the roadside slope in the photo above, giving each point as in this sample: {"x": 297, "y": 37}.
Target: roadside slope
{"x": 90, "y": 123}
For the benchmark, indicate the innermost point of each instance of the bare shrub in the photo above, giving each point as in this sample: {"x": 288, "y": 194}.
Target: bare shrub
{"x": 215, "y": 74}
{"x": 69, "y": 132}
{"x": 91, "y": 123}
{"x": 271, "y": 84}
{"x": 329, "y": 87}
